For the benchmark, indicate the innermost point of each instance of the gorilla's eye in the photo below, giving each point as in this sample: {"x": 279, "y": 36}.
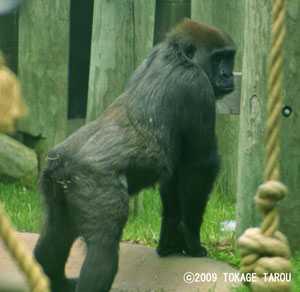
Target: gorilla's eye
{"x": 190, "y": 51}
{"x": 217, "y": 58}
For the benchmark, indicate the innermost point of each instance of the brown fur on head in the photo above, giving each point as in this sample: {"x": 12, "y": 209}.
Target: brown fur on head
{"x": 202, "y": 35}
{"x": 11, "y": 104}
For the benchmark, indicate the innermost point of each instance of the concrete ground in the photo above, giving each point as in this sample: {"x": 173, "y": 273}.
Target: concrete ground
{"x": 140, "y": 270}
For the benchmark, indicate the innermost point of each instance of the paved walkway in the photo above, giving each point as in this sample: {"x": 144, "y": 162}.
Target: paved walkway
{"x": 140, "y": 270}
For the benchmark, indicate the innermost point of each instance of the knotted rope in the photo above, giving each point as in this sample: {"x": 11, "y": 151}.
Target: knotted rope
{"x": 11, "y": 107}
{"x": 265, "y": 250}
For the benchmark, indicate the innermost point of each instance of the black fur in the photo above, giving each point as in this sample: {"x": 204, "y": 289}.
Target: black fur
{"x": 161, "y": 129}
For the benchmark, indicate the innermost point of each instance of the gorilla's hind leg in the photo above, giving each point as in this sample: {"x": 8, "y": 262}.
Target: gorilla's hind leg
{"x": 171, "y": 234}
{"x": 103, "y": 212}
{"x": 52, "y": 251}
{"x": 53, "y": 247}
{"x": 100, "y": 265}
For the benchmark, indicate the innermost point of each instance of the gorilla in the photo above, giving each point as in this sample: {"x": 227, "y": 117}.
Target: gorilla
{"x": 161, "y": 129}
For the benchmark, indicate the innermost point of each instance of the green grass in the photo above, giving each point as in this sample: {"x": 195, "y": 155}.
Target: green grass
{"x": 23, "y": 207}
{"x": 146, "y": 228}
{"x": 296, "y": 272}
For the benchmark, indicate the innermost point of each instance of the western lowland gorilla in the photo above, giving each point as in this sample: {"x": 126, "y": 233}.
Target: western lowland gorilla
{"x": 160, "y": 129}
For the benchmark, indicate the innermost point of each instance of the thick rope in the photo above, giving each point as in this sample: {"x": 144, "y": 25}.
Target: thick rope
{"x": 12, "y": 107}
{"x": 275, "y": 90}
{"x": 265, "y": 250}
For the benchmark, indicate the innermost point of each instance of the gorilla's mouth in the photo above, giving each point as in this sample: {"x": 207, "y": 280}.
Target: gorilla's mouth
{"x": 224, "y": 90}
{"x": 228, "y": 89}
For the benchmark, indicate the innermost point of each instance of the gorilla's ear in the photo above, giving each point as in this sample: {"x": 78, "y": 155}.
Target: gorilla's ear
{"x": 190, "y": 51}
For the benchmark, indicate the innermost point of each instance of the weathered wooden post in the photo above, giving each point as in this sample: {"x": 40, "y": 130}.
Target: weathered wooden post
{"x": 43, "y": 71}
{"x": 253, "y": 115}
{"x": 228, "y": 16}
{"x": 122, "y": 36}
{"x": 289, "y": 209}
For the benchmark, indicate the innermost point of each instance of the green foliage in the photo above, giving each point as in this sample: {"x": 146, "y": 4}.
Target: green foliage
{"x": 145, "y": 228}
{"x": 22, "y": 205}
{"x": 296, "y": 272}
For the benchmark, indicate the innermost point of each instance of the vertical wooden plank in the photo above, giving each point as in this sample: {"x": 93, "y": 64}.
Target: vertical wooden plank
{"x": 168, "y": 14}
{"x": 289, "y": 209}
{"x": 144, "y": 29}
{"x": 253, "y": 111}
{"x": 228, "y": 16}
{"x": 43, "y": 69}
{"x": 122, "y": 36}
{"x": 112, "y": 53}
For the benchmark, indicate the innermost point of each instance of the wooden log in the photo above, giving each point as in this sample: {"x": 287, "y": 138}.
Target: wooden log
{"x": 253, "y": 112}
{"x": 43, "y": 69}
{"x": 17, "y": 162}
{"x": 289, "y": 209}
{"x": 122, "y": 36}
